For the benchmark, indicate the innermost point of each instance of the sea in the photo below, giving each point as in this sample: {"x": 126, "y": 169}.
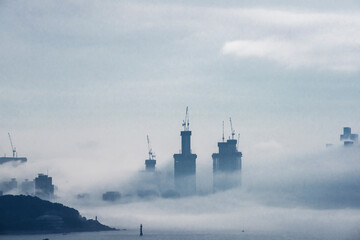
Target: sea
{"x": 170, "y": 235}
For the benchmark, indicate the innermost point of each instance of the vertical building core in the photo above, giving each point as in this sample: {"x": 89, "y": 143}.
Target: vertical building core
{"x": 227, "y": 163}
{"x": 226, "y": 166}
{"x": 185, "y": 164}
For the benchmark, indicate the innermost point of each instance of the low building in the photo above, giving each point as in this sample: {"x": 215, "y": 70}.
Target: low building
{"x": 111, "y": 196}
{"x": 8, "y": 186}
{"x": 28, "y": 187}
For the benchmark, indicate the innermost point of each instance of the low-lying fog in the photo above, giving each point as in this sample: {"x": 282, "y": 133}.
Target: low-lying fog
{"x": 313, "y": 192}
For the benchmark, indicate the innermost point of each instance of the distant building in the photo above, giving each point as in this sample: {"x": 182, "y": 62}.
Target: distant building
{"x": 8, "y": 186}
{"x": 348, "y": 138}
{"x": 43, "y": 187}
{"x": 83, "y": 196}
{"x": 170, "y": 194}
{"x": 150, "y": 165}
{"x": 151, "y": 161}
{"x": 147, "y": 193}
{"x": 348, "y": 143}
{"x": 12, "y": 159}
{"x": 150, "y": 178}
{"x": 226, "y": 164}
{"x": 28, "y": 187}
{"x": 185, "y": 164}
{"x": 111, "y": 196}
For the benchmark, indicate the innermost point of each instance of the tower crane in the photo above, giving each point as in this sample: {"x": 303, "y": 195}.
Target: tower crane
{"x": 232, "y": 130}
{"x": 12, "y": 147}
{"x": 151, "y": 154}
{"x": 185, "y": 123}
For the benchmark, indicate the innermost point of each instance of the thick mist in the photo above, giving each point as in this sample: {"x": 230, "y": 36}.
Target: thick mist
{"x": 84, "y": 82}
{"x": 314, "y": 192}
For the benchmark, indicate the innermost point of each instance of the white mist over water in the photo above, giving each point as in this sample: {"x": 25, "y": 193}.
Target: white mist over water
{"x": 173, "y": 235}
{"x": 84, "y": 82}
{"x": 314, "y": 193}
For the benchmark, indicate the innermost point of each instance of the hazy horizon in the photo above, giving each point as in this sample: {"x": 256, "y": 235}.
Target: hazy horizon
{"x": 84, "y": 82}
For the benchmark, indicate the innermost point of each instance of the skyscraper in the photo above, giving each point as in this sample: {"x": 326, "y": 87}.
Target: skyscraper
{"x": 43, "y": 187}
{"x": 348, "y": 137}
{"x": 185, "y": 163}
{"x": 151, "y": 161}
{"x": 226, "y": 164}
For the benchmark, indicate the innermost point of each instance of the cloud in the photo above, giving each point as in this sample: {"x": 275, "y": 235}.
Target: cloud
{"x": 312, "y": 40}
{"x": 307, "y": 196}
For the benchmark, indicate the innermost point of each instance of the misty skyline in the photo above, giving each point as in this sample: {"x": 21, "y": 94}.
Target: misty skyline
{"x": 84, "y": 82}
{"x": 117, "y": 71}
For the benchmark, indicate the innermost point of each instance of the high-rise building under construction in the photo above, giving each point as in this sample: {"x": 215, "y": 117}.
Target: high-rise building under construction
{"x": 150, "y": 162}
{"x": 226, "y": 164}
{"x": 14, "y": 157}
{"x": 185, "y": 163}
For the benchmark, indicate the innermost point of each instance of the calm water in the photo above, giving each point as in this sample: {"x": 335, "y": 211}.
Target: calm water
{"x": 169, "y": 235}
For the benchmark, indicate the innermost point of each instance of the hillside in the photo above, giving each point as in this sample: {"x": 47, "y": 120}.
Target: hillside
{"x": 27, "y": 214}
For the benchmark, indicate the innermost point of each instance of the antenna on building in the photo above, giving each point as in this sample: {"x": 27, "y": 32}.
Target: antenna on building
{"x": 232, "y": 130}
{"x": 12, "y": 147}
{"x": 186, "y": 120}
{"x": 223, "y": 136}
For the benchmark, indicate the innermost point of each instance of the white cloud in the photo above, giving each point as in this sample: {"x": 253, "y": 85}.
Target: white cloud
{"x": 325, "y": 41}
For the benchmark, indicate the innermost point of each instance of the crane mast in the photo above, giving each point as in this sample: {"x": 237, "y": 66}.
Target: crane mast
{"x": 12, "y": 147}
{"x": 185, "y": 123}
{"x": 232, "y": 130}
{"x": 149, "y": 148}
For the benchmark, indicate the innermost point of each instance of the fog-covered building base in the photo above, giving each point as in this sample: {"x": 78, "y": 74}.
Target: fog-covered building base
{"x": 226, "y": 166}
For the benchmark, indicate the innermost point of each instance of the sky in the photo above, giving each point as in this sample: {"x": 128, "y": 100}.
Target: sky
{"x": 83, "y": 82}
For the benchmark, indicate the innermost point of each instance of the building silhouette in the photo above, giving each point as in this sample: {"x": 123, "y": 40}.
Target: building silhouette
{"x": 151, "y": 161}
{"x": 111, "y": 196}
{"x": 348, "y": 138}
{"x": 43, "y": 186}
{"x": 27, "y": 187}
{"x": 226, "y": 164}
{"x": 185, "y": 163}
{"x": 14, "y": 157}
{"x": 7, "y": 186}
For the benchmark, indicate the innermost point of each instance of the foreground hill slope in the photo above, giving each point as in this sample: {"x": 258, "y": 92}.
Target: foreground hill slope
{"x": 27, "y": 214}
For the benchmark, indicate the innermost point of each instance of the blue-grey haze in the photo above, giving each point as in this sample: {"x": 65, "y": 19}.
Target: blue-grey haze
{"x": 83, "y": 82}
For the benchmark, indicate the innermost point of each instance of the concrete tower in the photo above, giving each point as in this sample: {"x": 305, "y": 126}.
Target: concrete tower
{"x": 151, "y": 162}
{"x": 185, "y": 163}
{"x": 348, "y": 137}
{"x": 226, "y": 164}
